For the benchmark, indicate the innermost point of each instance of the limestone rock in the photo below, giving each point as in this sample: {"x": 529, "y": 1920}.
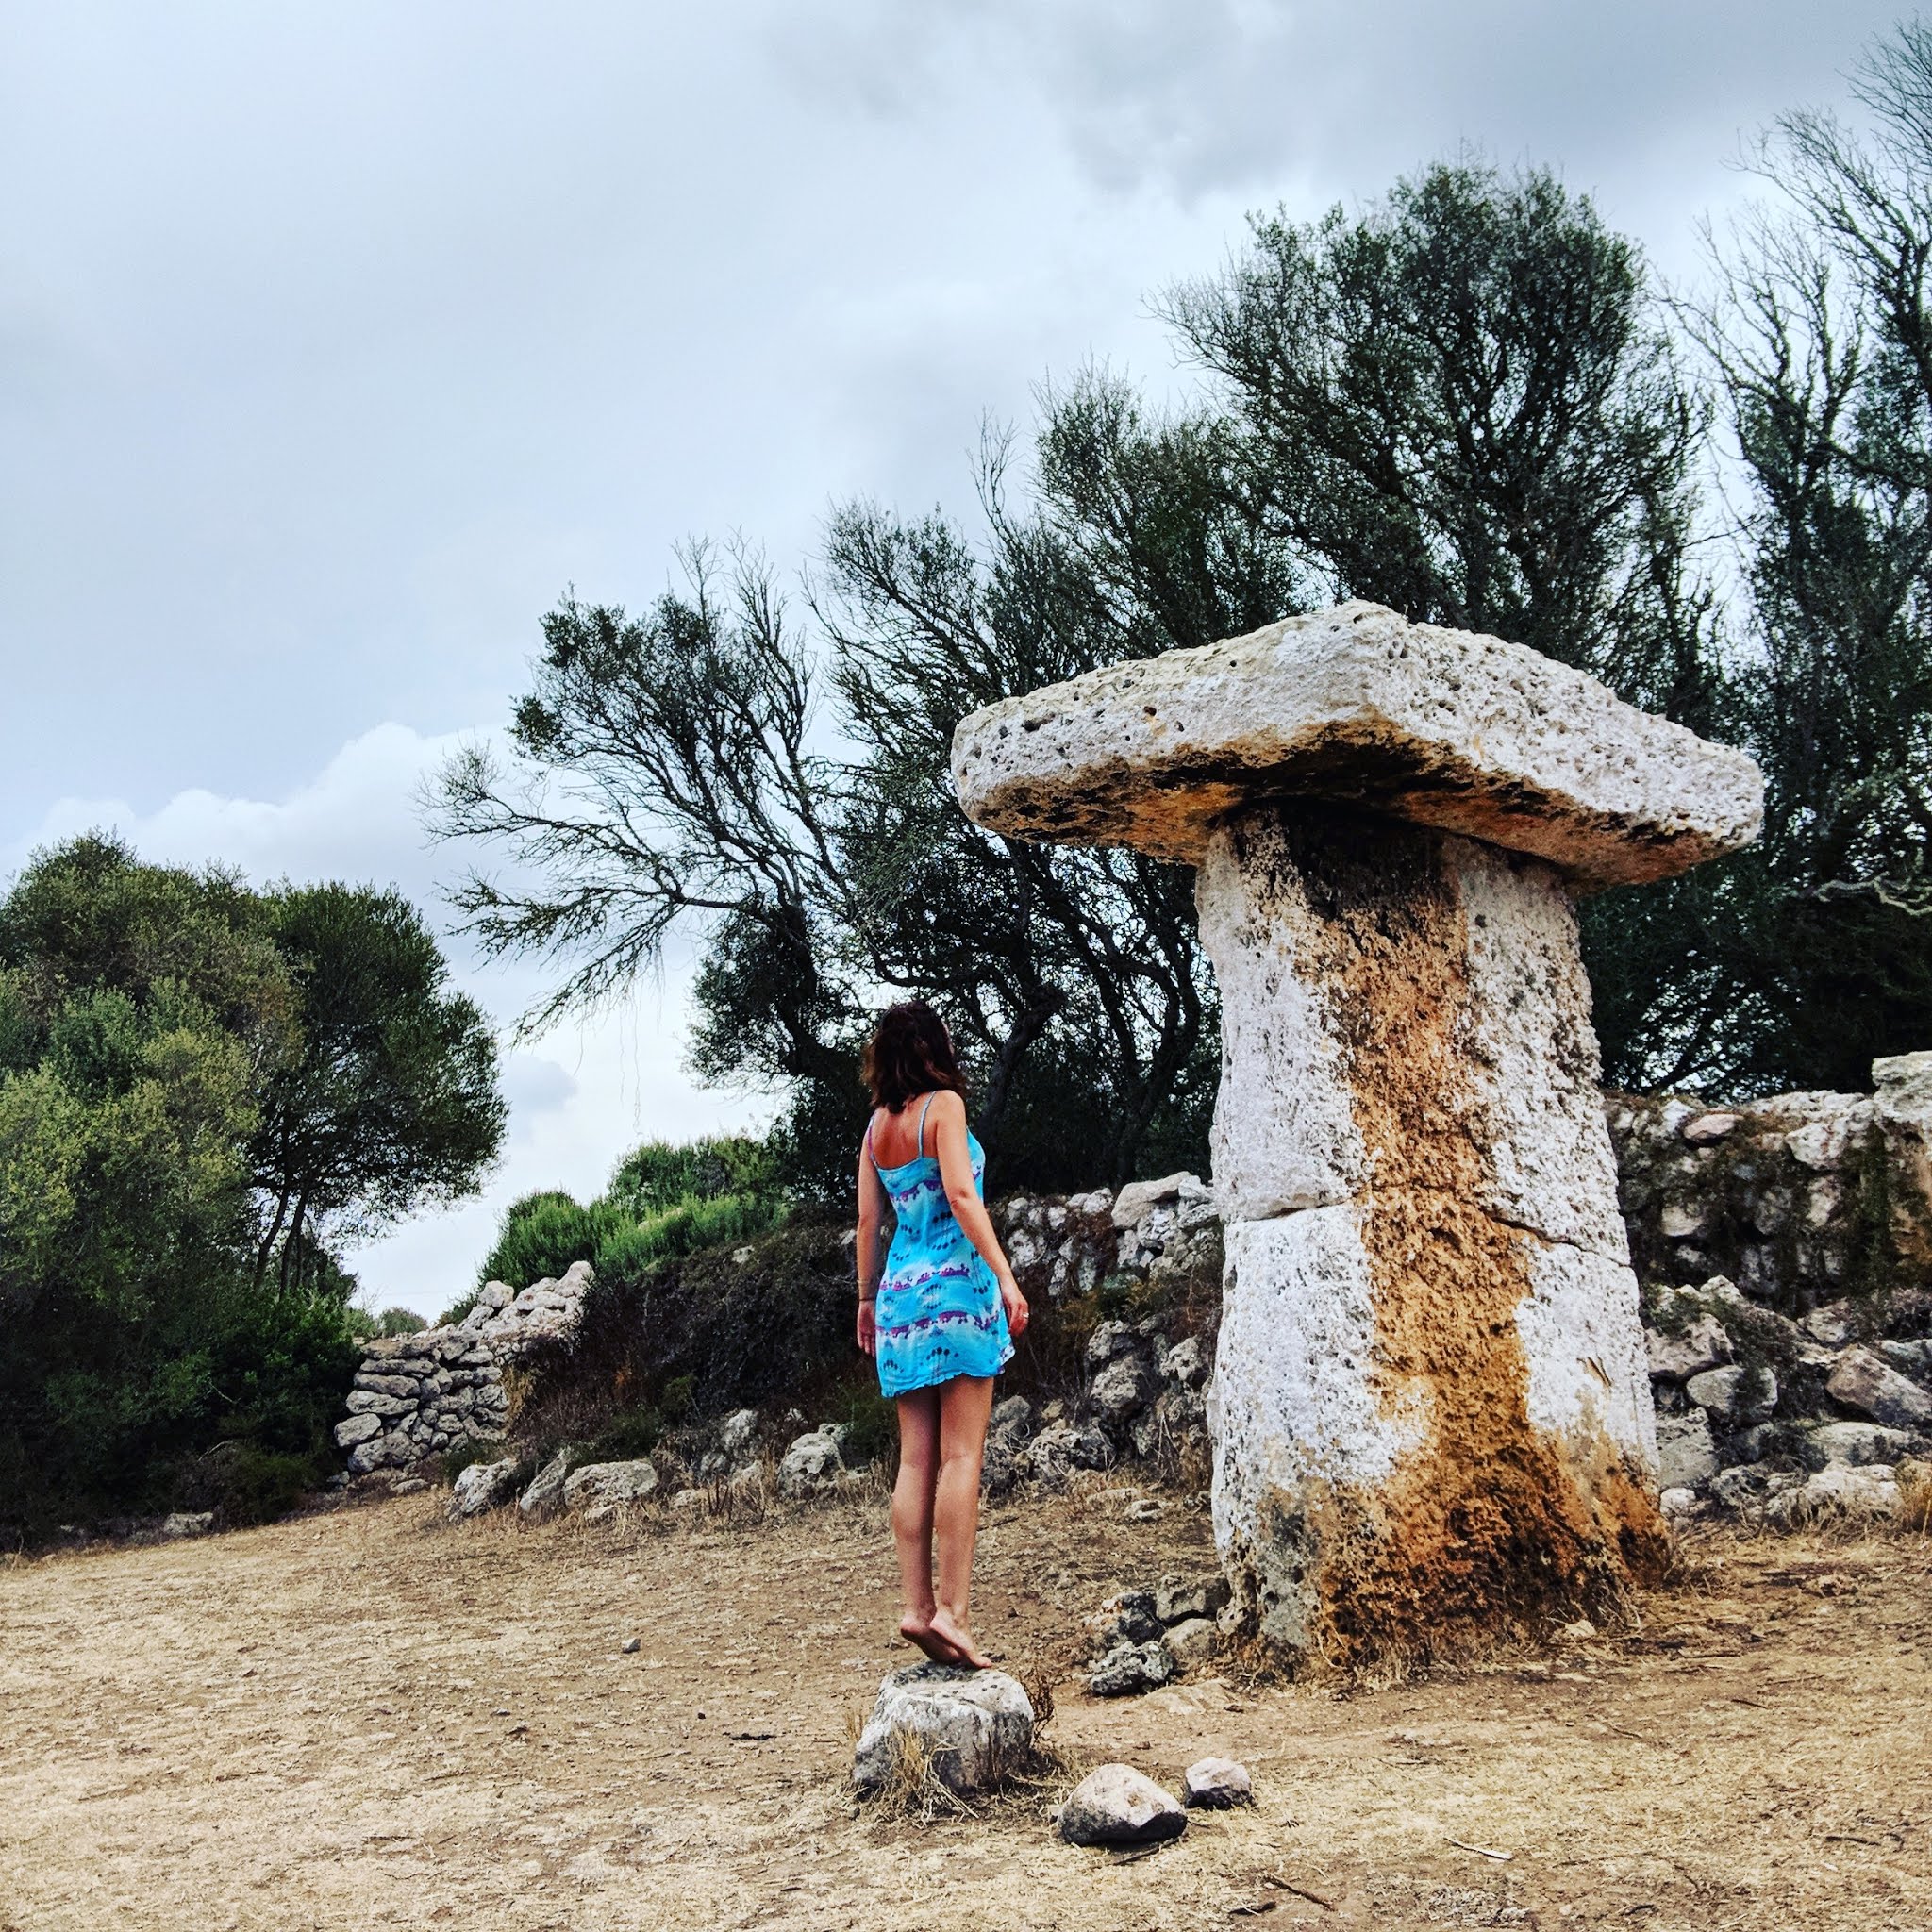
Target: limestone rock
{"x": 1012, "y": 1422}
{"x": 1217, "y": 1784}
{"x": 1120, "y": 1805}
{"x": 1737, "y": 1394}
{"x": 1178, "y": 1598}
{"x": 1837, "y": 1490}
{"x": 1185, "y": 1362}
{"x": 1135, "y": 1201}
{"x": 1058, "y": 1451}
{"x": 1108, "y": 1341}
{"x": 1128, "y": 1669}
{"x": 1857, "y": 1443}
{"x": 544, "y": 1495}
{"x": 738, "y": 1433}
{"x": 357, "y": 1428}
{"x": 973, "y": 1725}
{"x": 1192, "y": 1641}
{"x": 1128, "y": 1618}
{"x": 1706, "y": 1129}
{"x": 482, "y": 1486}
{"x": 1686, "y": 1457}
{"x": 1704, "y": 1345}
{"x": 600, "y": 1483}
{"x": 1469, "y": 734}
{"x": 1868, "y": 1383}
{"x": 811, "y": 1464}
{"x": 1120, "y": 1390}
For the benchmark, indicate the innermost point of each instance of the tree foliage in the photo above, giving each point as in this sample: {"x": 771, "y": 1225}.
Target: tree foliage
{"x": 150, "y": 1020}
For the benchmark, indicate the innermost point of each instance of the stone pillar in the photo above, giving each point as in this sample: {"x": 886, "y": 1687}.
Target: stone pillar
{"x": 1431, "y": 1407}
{"x": 1431, "y": 1356}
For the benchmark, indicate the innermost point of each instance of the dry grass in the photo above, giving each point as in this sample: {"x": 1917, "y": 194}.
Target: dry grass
{"x": 368, "y": 1719}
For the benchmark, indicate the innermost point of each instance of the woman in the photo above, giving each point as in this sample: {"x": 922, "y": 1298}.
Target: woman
{"x": 940, "y": 1323}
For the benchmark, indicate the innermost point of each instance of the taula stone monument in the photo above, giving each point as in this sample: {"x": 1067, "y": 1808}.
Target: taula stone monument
{"x": 1430, "y": 1405}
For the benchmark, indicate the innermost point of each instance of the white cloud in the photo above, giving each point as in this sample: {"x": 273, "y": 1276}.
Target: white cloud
{"x": 580, "y": 1098}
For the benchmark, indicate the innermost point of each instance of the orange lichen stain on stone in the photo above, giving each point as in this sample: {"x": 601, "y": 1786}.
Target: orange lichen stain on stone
{"x": 1491, "y": 1526}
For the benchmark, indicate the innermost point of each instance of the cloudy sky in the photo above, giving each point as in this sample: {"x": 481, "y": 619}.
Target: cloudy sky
{"x": 336, "y": 340}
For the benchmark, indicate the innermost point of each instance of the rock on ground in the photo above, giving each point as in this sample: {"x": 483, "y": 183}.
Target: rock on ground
{"x": 482, "y": 1486}
{"x": 1868, "y": 1383}
{"x": 598, "y": 1482}
{"x": 811, "y": 1463}
{"x": 1217, "y": 1784}
{"x": 1120, "y": 1805}
{"x": 545, "y": 1494}
{"x": 1130, "y": 1669}
{"x": 974, "y": 1727}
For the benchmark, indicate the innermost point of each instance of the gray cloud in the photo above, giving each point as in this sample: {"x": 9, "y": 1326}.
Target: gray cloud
{"x": 335, "y": 343}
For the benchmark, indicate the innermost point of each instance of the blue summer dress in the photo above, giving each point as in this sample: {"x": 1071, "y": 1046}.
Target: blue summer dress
{"x": 939, "y": 1313}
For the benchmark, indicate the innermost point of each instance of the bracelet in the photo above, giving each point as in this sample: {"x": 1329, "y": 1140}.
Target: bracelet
{"x": 865, "y": 1301}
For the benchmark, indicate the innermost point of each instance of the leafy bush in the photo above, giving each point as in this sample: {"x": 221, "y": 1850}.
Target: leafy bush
{"x": 662, "y": 1173}
{"x": 543, "y": 1234}
{"x": 626, "y": 1254}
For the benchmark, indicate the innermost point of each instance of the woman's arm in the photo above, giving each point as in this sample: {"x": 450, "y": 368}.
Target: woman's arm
{"x": 871, "y": 1203}
{"x": 956, "y": 1172}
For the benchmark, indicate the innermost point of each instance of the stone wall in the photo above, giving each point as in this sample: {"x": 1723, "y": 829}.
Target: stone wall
{"x": 1783, "y": 1250}
{"x": 418, "y": 1396}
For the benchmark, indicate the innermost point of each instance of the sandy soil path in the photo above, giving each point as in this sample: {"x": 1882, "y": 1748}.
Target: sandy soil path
{"x": 364, "y": 1719}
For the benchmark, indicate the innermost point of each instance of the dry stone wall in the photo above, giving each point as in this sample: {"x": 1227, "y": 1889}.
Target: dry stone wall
{"x": 1787, "y": 1281}
{"x": 420, "y": 1395}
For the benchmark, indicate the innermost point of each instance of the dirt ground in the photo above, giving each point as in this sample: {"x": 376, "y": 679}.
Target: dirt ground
{"x": 364, "y": 1718}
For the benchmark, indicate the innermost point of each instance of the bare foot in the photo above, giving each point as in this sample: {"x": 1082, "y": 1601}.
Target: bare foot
{"x": 919, "y": 1631}
{"x": 952, "y": 1631}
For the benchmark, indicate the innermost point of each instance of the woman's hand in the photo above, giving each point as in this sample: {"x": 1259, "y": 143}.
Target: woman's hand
{"x": 1018, "y": 1313}
{"x": 867, "y": 1326}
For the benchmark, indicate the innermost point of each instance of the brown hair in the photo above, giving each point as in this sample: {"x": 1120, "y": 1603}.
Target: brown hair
{"x": 909, "y": 1052}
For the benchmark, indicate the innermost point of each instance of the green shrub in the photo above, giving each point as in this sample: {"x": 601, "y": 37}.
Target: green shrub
{"x": 661, "y": 1173}
{"x": 543, "y": 1234}
{"x": 627, "y": 1436}
{"x": 627, "y": 1251}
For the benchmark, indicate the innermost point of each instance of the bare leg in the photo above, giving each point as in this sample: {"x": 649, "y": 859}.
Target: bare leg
{"x": 965, "y": 1404}
{"x": 913, "y": 1514}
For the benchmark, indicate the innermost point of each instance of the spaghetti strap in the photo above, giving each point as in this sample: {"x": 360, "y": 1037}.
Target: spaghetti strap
{"x": 922, "y": 1112}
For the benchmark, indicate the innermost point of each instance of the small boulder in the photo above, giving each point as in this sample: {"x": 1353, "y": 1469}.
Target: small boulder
{"x": 1856, "y": 1443}
{"x": 1837, "y": 1490}
{"x": 1184, "y": 1362}
{"x": 1179, "y": 1598}
{"x": 1128, "y": 1618}
{"x": 357, "y": 1429}
{"x": 546, "y": 1494}
{"x": 1120, "y": 1805}
{"x": 1121, "y": 1390}
{"x": 1108, "y": 1341}
{"x": 1704, "y": 1345}
{"x": 973, "y": 1727}
{"x": 1868, "y": 1383}
{"x": 1834, "y": 1324}
{"x": 737, "y": 1434}
{"x": 1056, "y": 1452}
{"x": 1138, "y": 1199}
{"x": 482, "y": 1486}
{"x": 1130, "y": 1669}
{"x": 813, "y": 1463}
{"x": 1012, "y": 1422}
{"x": 1736, "y": 1393}
{"x": 1192, "y": 1641}
{"x": 1686, "y": 1456}
{"x": 1706, "y": 1129}
{"x": 188, "y": 1522}
{"x": 598, "y": 1484}
{"x": 1217, "y": 1784}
